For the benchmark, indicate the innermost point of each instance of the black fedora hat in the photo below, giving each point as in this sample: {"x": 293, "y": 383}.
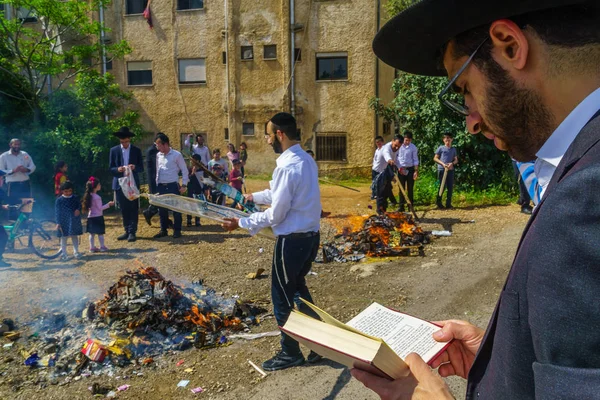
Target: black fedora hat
{"x": 123, "y": 133}
{"x": 412, "y": 40}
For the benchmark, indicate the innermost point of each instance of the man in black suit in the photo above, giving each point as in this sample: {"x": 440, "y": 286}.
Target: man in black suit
{"x": 528, "y": 71}
{"x": 123, "y": 155}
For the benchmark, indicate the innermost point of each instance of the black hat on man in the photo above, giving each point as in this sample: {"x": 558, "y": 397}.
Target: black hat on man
{"x": 124, "y": 133}
{"x": 412, "y": 41}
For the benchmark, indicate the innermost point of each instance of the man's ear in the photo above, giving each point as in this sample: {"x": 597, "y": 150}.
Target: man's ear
{"x": 510, "y": 44}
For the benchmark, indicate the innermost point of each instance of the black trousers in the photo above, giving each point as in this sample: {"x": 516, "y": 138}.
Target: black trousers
{"x": 408, "y": 182}
{"x": 193, "y": 190}
{"x": 169, "y": 188}
{"x": 16, "y": 191}
{"x": 389, "y": 191}
{"x": 449, "y": 187}
{"x": 129, "y": 211}
{"x": 3, "y": 241}
{"x": 292, "y": 260}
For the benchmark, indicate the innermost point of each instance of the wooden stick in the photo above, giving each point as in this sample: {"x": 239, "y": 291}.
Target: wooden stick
{"x": 260, "y": 371}
{"x": 337, "y": 184}
{"x": 443, "y": 185}
{"x": 207, "y": 171}
{"x": 410, "y": 206}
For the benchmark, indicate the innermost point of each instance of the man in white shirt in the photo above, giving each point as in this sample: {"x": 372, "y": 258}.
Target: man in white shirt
{"x": 19, "y": 166}
{"x": 408, "y": 168}
{"x": 294, "y": 215}
{"x": 385, "y": 168}
{"x": 169, "y": 164}
{"x": 377, "y": 160}
{"x": 198, "y": 148}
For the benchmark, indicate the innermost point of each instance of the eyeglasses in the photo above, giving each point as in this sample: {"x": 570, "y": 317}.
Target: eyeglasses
{"x": 461, "y": 109}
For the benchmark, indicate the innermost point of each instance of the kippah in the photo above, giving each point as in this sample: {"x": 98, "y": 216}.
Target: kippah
{"x": 283, "y": 119}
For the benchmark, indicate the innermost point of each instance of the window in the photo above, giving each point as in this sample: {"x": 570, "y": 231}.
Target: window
{"x": 332, "y": 66}
{"x": 226, "y": 133}
{"x": 135, "y": 6}
{"x": 190, "y": 4}
{"x": 192, "y": 70}
{"x": 139, "y": 73}
{"x": 26, "y": 15}
{"x": 331, "y": 147}
{"x": 247, "y": 53}
{"x": 224, "y": 57}
{"x": 248, "y": 129}
{"x": 298, "y": 55}
{"x": 109, "y": 65}
{"x": 270, "y": 52}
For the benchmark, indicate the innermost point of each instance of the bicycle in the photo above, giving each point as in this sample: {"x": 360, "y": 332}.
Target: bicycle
{"x": 42, "y": 236}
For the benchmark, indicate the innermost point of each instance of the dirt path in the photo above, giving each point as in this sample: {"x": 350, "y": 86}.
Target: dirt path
{"x": 459, "y": 277}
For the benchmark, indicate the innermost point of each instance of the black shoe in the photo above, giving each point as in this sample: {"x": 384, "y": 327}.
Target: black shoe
{"x": 132, "y": 237}
{"x": 4, "y": 263}
{"x": 449, "y": 207}
{"x": 313, "y": 358}
{"x": 124, "y": 236}
{"x": 161, "y": 234}
{"x": 282, "y": 361}
{"x": 401, "y": 209}
{"x": 176, "y": 234}
{"x": 197, "y": 223}
{"x": 147, "y": 217}
{"x": 526, "y": 210}
{"x": 189, "y": 223}
{"x": 440, "y": 206}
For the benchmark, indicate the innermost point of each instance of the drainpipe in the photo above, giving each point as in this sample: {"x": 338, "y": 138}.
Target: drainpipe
{"x": 225, "y": 2}
{"x": 377, "y": 24}
{"x": 103, "y": 43}
{"x": 293, "y": 58}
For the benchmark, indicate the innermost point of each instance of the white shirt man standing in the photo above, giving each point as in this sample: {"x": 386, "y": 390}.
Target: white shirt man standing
{"x": 294, "y": 215}
{"x": 19, "y": 165}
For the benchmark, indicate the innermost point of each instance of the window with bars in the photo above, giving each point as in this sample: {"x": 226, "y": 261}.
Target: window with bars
{"x": 332, "y": 147}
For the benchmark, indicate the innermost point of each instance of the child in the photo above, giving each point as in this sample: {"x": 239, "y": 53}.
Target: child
{"x": 232, "y": 154}
{"x": 218, "y": 160}
{"x": 92, "y": 203}
{"x": 68, "y": 219}
{"x": 60, "y": 177}
{"x": 235, "y": 178}
{"x": 216, "y": 196}
{"x": 446, "y": 158}
{"x": 243, "y": 157}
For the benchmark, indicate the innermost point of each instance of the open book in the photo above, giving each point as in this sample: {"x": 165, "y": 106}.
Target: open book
{"x": 377, "y": 339}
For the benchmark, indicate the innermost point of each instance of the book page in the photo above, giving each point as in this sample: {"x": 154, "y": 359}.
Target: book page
{"x": 403, "y": 333}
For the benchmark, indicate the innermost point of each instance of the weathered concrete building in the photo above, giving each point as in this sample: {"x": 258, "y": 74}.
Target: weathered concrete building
{"x": 223, "y": 68}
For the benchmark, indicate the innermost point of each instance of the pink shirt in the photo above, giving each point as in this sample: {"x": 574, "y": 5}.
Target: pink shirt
{"x": 96, "y": 207}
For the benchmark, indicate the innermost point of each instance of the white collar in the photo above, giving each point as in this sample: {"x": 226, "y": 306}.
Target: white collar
{"x": 126, "y": 149}
{"x": 559, "y": 142}
{"x": 291, "y": 150}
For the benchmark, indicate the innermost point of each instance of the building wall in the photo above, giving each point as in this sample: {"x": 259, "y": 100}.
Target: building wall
{"x": 258, "y": 88}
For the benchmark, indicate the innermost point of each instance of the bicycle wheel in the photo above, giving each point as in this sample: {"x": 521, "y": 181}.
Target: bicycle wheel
{"x": 43, "y": 239}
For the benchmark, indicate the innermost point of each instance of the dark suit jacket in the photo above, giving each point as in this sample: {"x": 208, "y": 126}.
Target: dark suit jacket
{"x": 151, "y": 153}
{"x": 543, "y": 341}
{"x": 116, "y": 161}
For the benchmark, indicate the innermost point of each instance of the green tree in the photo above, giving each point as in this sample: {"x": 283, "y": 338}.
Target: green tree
{"x": 47, "y": 43}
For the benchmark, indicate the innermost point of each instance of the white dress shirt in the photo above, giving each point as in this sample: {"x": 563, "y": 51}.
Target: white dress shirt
{"x": 125, "y": 152}
{"x": 9, "y": 161}
{"x": 408, "y": 156}
{"x": 553, "y": 150}
{"x": 379, "y": 163}
{"x": 202, "y": 151}
{"x": 168, "y": 167}
{"x": 386, "y": 154}
{"x": 294, "y": 197}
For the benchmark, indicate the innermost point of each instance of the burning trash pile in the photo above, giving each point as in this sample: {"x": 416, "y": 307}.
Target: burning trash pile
{"x": 387, "y": 235}
{"x": 142, "y": 316}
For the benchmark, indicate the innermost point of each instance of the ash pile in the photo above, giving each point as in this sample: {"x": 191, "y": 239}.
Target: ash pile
{"x": 388, "y": 235}
{"x": 142, "y": 317}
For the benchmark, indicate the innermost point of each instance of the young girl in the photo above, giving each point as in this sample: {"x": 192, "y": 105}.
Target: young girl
{"x": 243, "y": 157}
{"x": 68, "y": 219}
{"x": 60, "y": 176}
{"x": 232, "y": 154}
{"x": 92, "y": 204}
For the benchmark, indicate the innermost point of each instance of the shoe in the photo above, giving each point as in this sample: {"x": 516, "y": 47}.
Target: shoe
{"x": 401, "y": 209}
{"x": 282, "y": 361}
{"x": 103, "y": 249}
{"x": 440, "y": 206}
{"x": 147, "y": 217}
{"x": 94, "y": 249}
{"x": 197, "y": 224}
{"x": 4, "y": 263}
{"x": 176, "y": 234}
{"x": 124, "y": 236}
{"x": 189, "y": 224}
{"x": 313, "y": 358}
{"x": 161, "y": 234}
{"x": 77, "y": 255}
{"x": 449, "y": 206}
{"x": 64, "y": 257}
{"x": 132, "y": 237}
{"x": 526, "y": 210}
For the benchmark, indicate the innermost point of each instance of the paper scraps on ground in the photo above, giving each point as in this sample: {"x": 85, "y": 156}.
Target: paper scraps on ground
{"x": 253, "y": 336}
{"x": 188, "y": 370}
{"x": 180, "y": 362}
{"x": 122, "y": 388}
{"x": 197, "y": 390}
{"x": 183, "y": 383}
{"x": 254, "y": 275}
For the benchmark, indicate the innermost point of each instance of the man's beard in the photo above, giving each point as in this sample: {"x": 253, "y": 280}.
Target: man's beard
{"x": 514, "y": 114}
{"x": 277, "y": 146}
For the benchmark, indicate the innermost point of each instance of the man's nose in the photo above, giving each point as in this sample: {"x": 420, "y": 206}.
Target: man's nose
{"x": 474, "y": 123}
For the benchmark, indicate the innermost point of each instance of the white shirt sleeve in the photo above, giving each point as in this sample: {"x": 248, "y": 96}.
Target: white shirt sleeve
{"x": 263, "y": 197}
{"x": 186, "y": 142}
{"x": 3, "y": 165}
{"x": 387, "y": 153}
{"x": 184, "y": 170}
{"x": 281, "y": 203}
{"x": 31, "y": 165}
{"x": 416, "y": 153}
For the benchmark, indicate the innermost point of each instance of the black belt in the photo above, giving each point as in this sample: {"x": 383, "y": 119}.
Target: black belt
{"x": 299, "y": 235}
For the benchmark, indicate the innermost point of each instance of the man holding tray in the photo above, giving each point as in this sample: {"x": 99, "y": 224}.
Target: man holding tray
{"x": 294, "y": 215}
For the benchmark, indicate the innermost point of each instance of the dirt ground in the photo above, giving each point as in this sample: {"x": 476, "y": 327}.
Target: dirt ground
{"x": 459, "y": 277}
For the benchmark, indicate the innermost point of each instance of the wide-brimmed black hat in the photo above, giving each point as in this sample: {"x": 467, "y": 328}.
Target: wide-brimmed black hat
{"x": 412, "y": 40}
{"x": 123, "y": 133}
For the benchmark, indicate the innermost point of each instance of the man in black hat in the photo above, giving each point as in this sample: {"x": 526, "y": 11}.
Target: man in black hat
{"x": 121, "y": 156}
{"x": 529, "y": 73}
